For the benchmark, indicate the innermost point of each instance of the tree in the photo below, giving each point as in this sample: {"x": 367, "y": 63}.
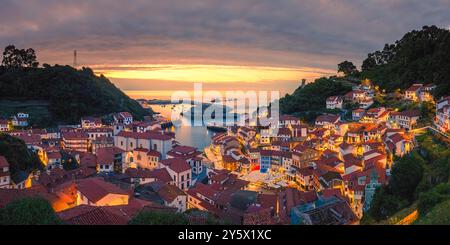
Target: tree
{"x": 385, "y": 205}
{"x": 406, "y": 175}
{"x": 368, "y": 63}
{"x": 29, "y": 211}
{"x": 347, "y": 68}
{"x": 159, "y": 218}
{"x": 16, "y": 58}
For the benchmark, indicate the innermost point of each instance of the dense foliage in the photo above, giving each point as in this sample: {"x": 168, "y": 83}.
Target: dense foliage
{"x": 29, "y": 211}
{"x": 190, "y": 217}
{"x": 311, "y": 97}
{"x": 20, "y": 158}
{"x": 15, "y": 58}
{"x": 421, "y": 177}
{"x": 347, "y": 68}
{"x": 438, "y": 215}
{"x": 71, "y": 93}
{"x": 159, "y": 218}
{"x": 420, "y": 56}
{"x": 406, "y": 175}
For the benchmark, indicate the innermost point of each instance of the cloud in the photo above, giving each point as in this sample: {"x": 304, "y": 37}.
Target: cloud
{"x": 290, "y": 33}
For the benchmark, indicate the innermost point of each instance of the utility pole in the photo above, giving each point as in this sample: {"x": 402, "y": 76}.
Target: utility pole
{"x": 75, "y": 59}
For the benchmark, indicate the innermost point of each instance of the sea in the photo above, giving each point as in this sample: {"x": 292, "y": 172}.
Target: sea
{"x": 197, "y": 136}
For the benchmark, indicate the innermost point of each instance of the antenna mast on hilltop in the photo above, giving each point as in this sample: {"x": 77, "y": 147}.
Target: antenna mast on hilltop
{"x": 75, "y": 59}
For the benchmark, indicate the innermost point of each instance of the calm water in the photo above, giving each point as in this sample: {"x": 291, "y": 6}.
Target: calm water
{"x": 197, "y": 136}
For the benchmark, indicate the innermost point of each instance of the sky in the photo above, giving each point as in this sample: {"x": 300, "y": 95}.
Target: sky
{"x": 165, "y": 45}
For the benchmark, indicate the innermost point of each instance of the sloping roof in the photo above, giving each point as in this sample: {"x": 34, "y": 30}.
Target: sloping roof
{"x": 330, "y": 118}
{"x": 91, "y": 215}
{"x": 145, "y": 135}
{"x": 107, "y": 154}
{"x": 170, "y": 192}
{"x": 3, "y": 162}
{"x": 176, "y": 164}
{"x": 95, "y": 189}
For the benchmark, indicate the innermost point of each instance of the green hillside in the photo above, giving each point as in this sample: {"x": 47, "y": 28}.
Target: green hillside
{"x": 21, "y": 160}
{"x": 419, "y": 56}
{"x": 64, "y": 94}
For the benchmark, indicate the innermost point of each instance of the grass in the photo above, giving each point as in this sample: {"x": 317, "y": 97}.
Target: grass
{"x": 394, "y": 219}
{"x": 439, "y": 215}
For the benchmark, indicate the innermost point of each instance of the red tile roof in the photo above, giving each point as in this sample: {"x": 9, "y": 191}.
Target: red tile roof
{"x": 75, "y": 135}
{"x": 170, "y": 192}
{"x": 106, "y": 155}
{"x": 203, "y": 190}
{"x": 145, "y": 135}
{"x": 3, "y": 162}
{"x": 176, "y": 164}
{"x": 330, "y": 118}
{"x": 95, "y": 189}
{"x": 91, "y": 215}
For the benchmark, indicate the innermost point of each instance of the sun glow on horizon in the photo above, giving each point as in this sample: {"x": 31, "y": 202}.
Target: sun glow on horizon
{"x": 210, "y": 73}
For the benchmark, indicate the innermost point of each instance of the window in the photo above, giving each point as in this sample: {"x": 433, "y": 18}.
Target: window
{"x": 182, "y": 177}
{"x": 121, "y": 143}
{"x": 139, "y": 157}
{"x": 131, "y": 144}
{"x": 182, "y": 186}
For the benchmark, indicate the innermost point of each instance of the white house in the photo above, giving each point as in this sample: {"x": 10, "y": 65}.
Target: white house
{"x": 173, "y": 197}
{"x": 334, "y": 102}
{"x": 151, "y": 140}
{"x": 111, "y": 158}
{"x": 413, "y": 92}
{"x": 123, "y": 118}
{"x": 327, "y": 120}
{"x": 180, "y": 171}
{"x": 4, "y": 125}
{"x": 97, "y": 192}
{"x": 5, "y": 176}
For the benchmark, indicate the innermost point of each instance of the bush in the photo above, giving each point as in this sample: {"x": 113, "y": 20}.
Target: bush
{"x": 430, "y": 199}
{"x": 159, "y": 218}
{"x": 385, "y": 205}
{"x": 29, "y": 211}
{"x": 406, "y": 175}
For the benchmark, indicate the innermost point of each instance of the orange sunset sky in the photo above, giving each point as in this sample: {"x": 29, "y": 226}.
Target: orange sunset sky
{"x": 150, "y": 48}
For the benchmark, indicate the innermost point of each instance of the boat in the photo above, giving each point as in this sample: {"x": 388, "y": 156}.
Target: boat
{"x": 218, "y": 129}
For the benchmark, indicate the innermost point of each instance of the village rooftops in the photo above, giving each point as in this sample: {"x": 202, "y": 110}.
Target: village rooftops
{"x": 75, "y": 135}
{"x": 145, "y": 135}
{"x": 96, "y": 188}
{"x": 30, "y": 139}
{"x": 415, "y": 87}
{"x": 3, "y": 162}
{"x": 178, "y": 165}
{"x": 329, "y": 118}
{"x": 203, "y": 190}
{"x": 170, "y": 192}
{"x": 91, "y": 215}
{"x": 152, "y": 153}
{"x": 184, "y": 152}
{"x": 107, "y": 154}
{"x": 410, "y": 113}
{"x": 287, "y": 117}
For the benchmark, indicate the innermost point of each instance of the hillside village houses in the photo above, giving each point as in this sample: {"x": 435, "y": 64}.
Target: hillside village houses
{"x": 4, "y": 125}
{"x": 248, "y": 174}
{"x": 335, "y": 102}
{"x": 442, "y": 119}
